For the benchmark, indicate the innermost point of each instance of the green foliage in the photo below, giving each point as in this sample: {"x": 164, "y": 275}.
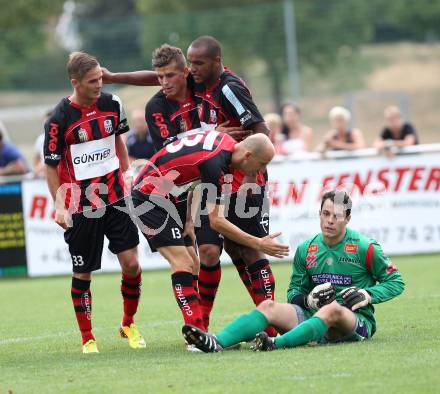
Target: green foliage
{"x": 24, "y": 31}
{"x": 40, "y": 345}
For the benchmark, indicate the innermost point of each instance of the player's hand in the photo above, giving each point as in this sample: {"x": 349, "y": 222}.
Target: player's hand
{"x": 237, "y": 133}
{"x": 321, "y": 295}
{"x": 269, "y": 246}
{"x": 107, "y": 76}
{"x": 63, "y": 218}
{"x": 355, "y": 298}
{"x": 189, "y": 230}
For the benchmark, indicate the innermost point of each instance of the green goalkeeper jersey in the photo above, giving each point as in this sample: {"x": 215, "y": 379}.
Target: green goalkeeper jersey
{"x": 355, "y": 261}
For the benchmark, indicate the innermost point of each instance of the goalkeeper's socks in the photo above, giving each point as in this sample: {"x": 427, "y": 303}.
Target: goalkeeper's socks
{"x": 262, "y": 281}
{"x": 311, "y": 330}
{"x": 244, "y": 276}
{"x": 187, "y": 298}
{"x": 209, "y": 280}
{"x": 131, "y": 292}
{"x": 243, "y": 328}
{"x": 82, "y": 303}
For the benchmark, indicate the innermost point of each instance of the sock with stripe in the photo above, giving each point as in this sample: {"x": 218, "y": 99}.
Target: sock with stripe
{"x": 209, "y": 280}
{"x": 187, "y": 298}
{"x": 243, "y": 328}
{"x": 82, "y": 304}
{"x": 131, "y": 292}
{"x": 244, "y": 276}
{"x": 263, "y": 285}
{"x": 311, "y": 330}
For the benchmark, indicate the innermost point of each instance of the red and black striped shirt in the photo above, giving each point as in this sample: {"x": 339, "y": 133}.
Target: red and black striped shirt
{"x": 204, "y": 157}
{"x": 80, "y": 141}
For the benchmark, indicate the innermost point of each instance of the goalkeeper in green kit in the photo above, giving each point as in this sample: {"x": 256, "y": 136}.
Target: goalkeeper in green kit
{"x": 337, "y": 277}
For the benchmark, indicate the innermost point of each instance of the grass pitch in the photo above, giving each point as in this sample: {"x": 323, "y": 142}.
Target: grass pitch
{"x": 40, "y": 347}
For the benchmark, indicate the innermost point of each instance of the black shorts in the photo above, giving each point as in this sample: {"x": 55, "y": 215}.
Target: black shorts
{"x": 86, "y": 237}
{"x": 205, "y": 235}
{"x": 159, "y": 226}
{"x": 181, "y": 206}
{"x": 250, "y": 213}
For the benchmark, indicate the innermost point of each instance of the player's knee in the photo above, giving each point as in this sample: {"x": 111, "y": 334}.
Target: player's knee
{"x": 251, "y": 255}
{"x": 131, "y": 266}
{"x": 267, "y": 308}
{"x": 209, "y": 254}
{"x": 331, "y": 313}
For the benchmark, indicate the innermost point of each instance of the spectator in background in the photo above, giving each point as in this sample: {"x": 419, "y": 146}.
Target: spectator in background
{"x": 298, "y": 135}
{"x": 139, "y": 143}
{"x": 12, "y": 161}
{"x": 275, "y": 124}
{"x": 39, "y": 169}
{"x": 341, "y": 136}
{"x": 397, "y": 132}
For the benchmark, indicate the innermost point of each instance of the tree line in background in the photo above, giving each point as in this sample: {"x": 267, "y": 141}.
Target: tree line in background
{"x": 122, "y": 34}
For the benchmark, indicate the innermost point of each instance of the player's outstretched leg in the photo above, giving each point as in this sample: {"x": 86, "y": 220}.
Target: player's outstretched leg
{"x": 201, "y": 340}
{"x": 311, "y": 330}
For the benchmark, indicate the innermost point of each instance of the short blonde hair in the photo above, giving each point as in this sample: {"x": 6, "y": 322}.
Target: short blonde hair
{"x": 272, "y": 117}
{"x": 392, "y": 110}
{"x": 339, "y": 111}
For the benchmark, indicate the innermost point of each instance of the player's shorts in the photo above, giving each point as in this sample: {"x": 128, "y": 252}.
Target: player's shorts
{"x": 363, "y": 328}
{"x": 159, "y": 225}
{"x": 181, "y": 206}
{"x": 86, "y": 237}
{"x": 250, "y": 213}
{"x": 205, "y": 235}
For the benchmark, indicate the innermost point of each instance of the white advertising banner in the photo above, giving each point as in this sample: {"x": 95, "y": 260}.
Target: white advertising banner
{"x": 395, "y": 201}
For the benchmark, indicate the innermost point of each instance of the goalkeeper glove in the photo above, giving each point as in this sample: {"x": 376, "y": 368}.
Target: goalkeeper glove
{"x": 321, "y": 295}
{"x": 355, "y": 298}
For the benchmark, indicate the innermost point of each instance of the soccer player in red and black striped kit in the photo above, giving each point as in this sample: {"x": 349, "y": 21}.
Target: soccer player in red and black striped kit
{"x": 224, "y": 97}
{"x": 208, "y": 157}
{"x": 86, "y": 163}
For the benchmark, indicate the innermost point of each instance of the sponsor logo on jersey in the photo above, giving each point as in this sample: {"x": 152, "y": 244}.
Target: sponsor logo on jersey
{"x": 53, "y": 156}
{"x": 212, "y": 116}
{"x": 183, "y": 125}
{"x": 334, "y": 279}
{"x": 53, "y": 137}
{"x": 311, "y": 261}
{"x": 91, "y": 113}
{"x": 265, "y": 222}
{"x": 329, "y": 261}
{"x": 108, "y": 126}
{"x": 349, "y": 260}
{"x": 93, "y": 157}
{"x": 200, "y": 110}
{"x": 82, "y": 135}
{"x": 350, "y": 248}
{"x": 313, "y": 248}
{"x": 159, "y": 121}
{"x": 245, "y": 118}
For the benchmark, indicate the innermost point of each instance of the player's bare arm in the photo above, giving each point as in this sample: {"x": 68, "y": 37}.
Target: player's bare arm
{"x": 53, "y": 182}
{"x": 137, "y": 78}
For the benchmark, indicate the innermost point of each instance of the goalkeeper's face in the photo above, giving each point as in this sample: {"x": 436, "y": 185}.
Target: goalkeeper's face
{"x": 333, "y": 220}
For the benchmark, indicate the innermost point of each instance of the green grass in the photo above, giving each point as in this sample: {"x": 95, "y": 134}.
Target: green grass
{"x": 40, "y": 345}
